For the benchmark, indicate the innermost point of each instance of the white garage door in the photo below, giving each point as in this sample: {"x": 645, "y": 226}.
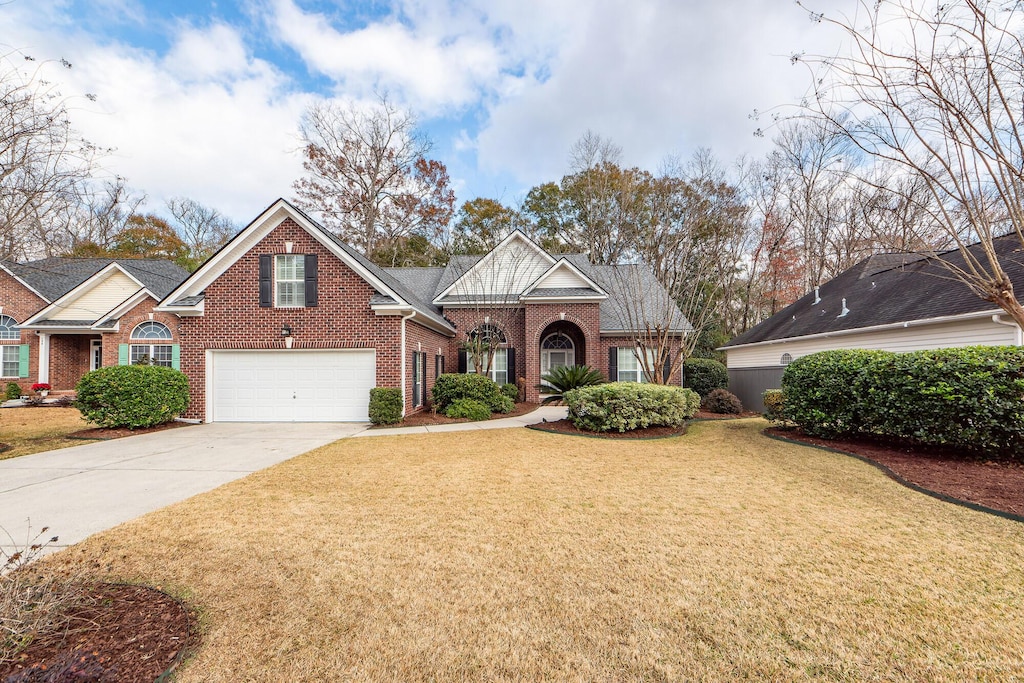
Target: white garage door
{"x": 292, "y": 386}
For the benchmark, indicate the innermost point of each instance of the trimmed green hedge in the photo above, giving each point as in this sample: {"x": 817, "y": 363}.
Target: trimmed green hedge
{"x": 774, "y": 405}
{"x": 468, "y": 407}
{"x": 132, "y": 395}
{"x": 385, "y": 405}
{"x": 623, "y": 406}
{"x": 704, "y": 375}
{"x": 970, "y": 398}
{"x": 451, "y": 387}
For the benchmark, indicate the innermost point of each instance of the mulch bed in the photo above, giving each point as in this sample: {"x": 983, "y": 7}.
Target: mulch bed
{"x": 118, "y": 634}
{"x": 567, "y": 427}
{"x": 426, "y": 418}
{"x": 996, "y": 484}
{"x": 106, "y": 433}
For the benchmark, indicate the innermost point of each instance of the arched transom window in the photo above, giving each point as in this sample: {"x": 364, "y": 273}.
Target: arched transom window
{"x": 489, "y": 333}
{"x": 145, "y": 347}
{"x": 556, "y": 350}
{"x": 786, "y": 359}
{"x": 9, "y": 328}
{"x": 490, "y": 336}
{"x": 557, "y": 341}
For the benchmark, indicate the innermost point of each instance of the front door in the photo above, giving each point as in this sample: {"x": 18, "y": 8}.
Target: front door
{"x": 95, "y": 354}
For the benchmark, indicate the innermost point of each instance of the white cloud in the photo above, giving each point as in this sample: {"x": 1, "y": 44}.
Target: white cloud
{"x": 430, "y": 70}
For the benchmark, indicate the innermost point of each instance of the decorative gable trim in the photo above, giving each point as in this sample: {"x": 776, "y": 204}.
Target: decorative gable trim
{"x": 488, "y": 259}
{"x": 85, "y": 287}
{"x": 584, "y": 281}
{"x": 248, "y": 238}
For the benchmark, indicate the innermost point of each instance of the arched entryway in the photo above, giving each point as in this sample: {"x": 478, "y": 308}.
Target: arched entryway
{"x": 561, "y": 343}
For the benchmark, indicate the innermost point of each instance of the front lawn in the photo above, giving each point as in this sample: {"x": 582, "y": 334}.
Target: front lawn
{"x": 31, "y": 430}
{"x": 518, "y": 555}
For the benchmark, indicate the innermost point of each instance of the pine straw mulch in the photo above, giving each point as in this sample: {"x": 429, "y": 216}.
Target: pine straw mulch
{"x": 995, "y": 484}
{"x": 107, "y": 433}
{"x": 115, "y": 633}
{"x": 427, "y": 418}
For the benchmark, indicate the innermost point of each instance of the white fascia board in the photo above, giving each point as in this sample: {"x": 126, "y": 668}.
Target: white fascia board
{"x": 873, "y": 328}
{"x": 90, "y": 283}
{"x": 416, "y": 316}
{"x": 516, "y": 234}
{"x": 561, "y": 299}
{"x": 631, "y": 333}
{"x": 565, "y": 263}
{"x": 23, "y": 283}
{"x": 262, "y": 226}
{"x": 56, "y": 329}
{"x": 506, "y": 303}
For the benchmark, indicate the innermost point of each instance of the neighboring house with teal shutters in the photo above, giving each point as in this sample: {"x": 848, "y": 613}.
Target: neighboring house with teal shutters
{"x": 62, "y": 317}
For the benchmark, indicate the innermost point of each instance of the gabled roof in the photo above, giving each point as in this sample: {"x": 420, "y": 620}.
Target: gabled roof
{"x": 459, "y": 285}
{"x": 581, "y": 284}
{"x": 54, "y": 277}
{"x": 887, "y": 289}
{"x": 188, "y": 294}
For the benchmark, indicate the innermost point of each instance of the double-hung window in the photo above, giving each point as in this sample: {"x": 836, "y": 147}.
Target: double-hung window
{"x": 10, "y": 360}
{"x": 630, "y": 367}
{"x": 290, "y": 280}
{"x": 151, "y": 345}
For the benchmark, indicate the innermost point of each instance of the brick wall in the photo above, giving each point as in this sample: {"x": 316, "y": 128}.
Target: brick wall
{"x": 20, "y": 303}
{"x": 609, "y": 342}
{"x": 584, "y": 315}
{"x": 419, "y": 338}
{"x": 69, "y": 359}
{"x": 511, "y": 321}
{"x": 139, "y": 314}
{"x": 342, "y": 319}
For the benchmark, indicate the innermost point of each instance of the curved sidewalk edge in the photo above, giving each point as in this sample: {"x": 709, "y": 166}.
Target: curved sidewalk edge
{"x": 977, "y": 507}
{"x": 541, "y": 414}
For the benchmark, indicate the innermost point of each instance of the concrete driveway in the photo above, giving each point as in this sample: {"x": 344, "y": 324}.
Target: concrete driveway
{"x": 81, "y": 490}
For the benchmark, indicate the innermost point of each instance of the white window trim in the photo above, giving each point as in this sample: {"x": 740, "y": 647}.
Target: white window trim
{"x": 635, "y": 355}
{"x": 150, "y": 352}
{"x": 501, "y": 353}
{"x": 16, "y": 362}
{"x": 299, "y": 281}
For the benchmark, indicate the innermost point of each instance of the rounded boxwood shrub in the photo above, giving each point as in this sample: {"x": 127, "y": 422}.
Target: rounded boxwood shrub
{"x": 468, "y": 407}
{"x": 385, "y": 405}
{"x": 723, "y": 402}
{"x": 510, "y": 390}
{"x": 451, "y": 387}
{"x": 774, "y": 405}
{"x": 624, "y": 406}
{"x": 503, "y": 404}
{"x": 13, "y": 391}
{"x": 704, "y": 375}
{"x": 132, "y": 395}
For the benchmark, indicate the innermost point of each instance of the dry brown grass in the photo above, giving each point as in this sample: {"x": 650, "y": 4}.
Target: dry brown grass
{"x": 514, "y": 555}
{"x": 31, "y": 430}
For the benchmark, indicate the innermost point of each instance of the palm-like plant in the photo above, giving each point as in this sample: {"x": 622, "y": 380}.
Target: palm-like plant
{"x": 565, "y": 377}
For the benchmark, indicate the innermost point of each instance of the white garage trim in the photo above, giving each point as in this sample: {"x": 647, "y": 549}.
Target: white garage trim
{"x": 297, "y": 385}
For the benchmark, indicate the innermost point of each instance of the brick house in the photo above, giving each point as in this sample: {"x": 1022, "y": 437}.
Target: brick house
{"x": 61, "y": 317}
{"x": 288, "y": 323}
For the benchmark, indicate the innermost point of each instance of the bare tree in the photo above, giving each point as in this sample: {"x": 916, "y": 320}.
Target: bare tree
{"x": 937, "y": 90}
{"x": 368, "y": 177}
{"x": 44, "y": 163}
{"x": 203, "y": 229}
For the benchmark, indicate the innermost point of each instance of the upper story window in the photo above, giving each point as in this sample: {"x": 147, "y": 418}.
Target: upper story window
{"x": 8, "y": 328}
{"x": 786, "y": 359}
{"x": 149, "y": 351}
{"x": 290, "y": 280}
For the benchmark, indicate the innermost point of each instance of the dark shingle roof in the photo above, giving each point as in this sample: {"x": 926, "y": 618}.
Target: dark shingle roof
{"x": 188, "y": 300}
{"x": 887, "y": 289}
{"x": 423, "y": 281}
{"x": 56, "y": 276}
{"x": 561, "y": 291}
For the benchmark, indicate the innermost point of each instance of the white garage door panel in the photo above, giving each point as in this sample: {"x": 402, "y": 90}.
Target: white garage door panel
{"x": 292, "y": 386}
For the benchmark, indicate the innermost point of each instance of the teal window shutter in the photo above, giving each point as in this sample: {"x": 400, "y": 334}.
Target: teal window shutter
{"x": 176, "y": 356}
{"x": 23, "y": 360}
{"x": 122, "y": 354}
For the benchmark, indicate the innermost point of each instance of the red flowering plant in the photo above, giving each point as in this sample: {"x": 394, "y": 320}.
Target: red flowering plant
{"x": 40, "y": 386}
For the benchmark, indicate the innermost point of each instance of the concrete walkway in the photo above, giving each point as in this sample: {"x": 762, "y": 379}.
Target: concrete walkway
{"x": 81, "y": 490}
{"x": 549, "y": 413}
{"x": 85, "y": 489}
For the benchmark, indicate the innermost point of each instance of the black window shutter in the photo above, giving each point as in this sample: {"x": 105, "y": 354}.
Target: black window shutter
{"x": 613, "y": 364}
{"x": 463, "y": 361}
{"x": 266, "y": 284}
{"x": 510, "y": 364}
{"x": 667, "y": 372}
{"x": 311, "y": 278}
{"x": 423, "y": 378}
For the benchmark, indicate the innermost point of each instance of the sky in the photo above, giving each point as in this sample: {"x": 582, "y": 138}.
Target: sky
{"x": 202, "y": 98}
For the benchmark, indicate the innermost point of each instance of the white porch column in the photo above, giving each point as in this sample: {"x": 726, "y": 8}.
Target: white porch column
{"x": 44, "y": 357}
